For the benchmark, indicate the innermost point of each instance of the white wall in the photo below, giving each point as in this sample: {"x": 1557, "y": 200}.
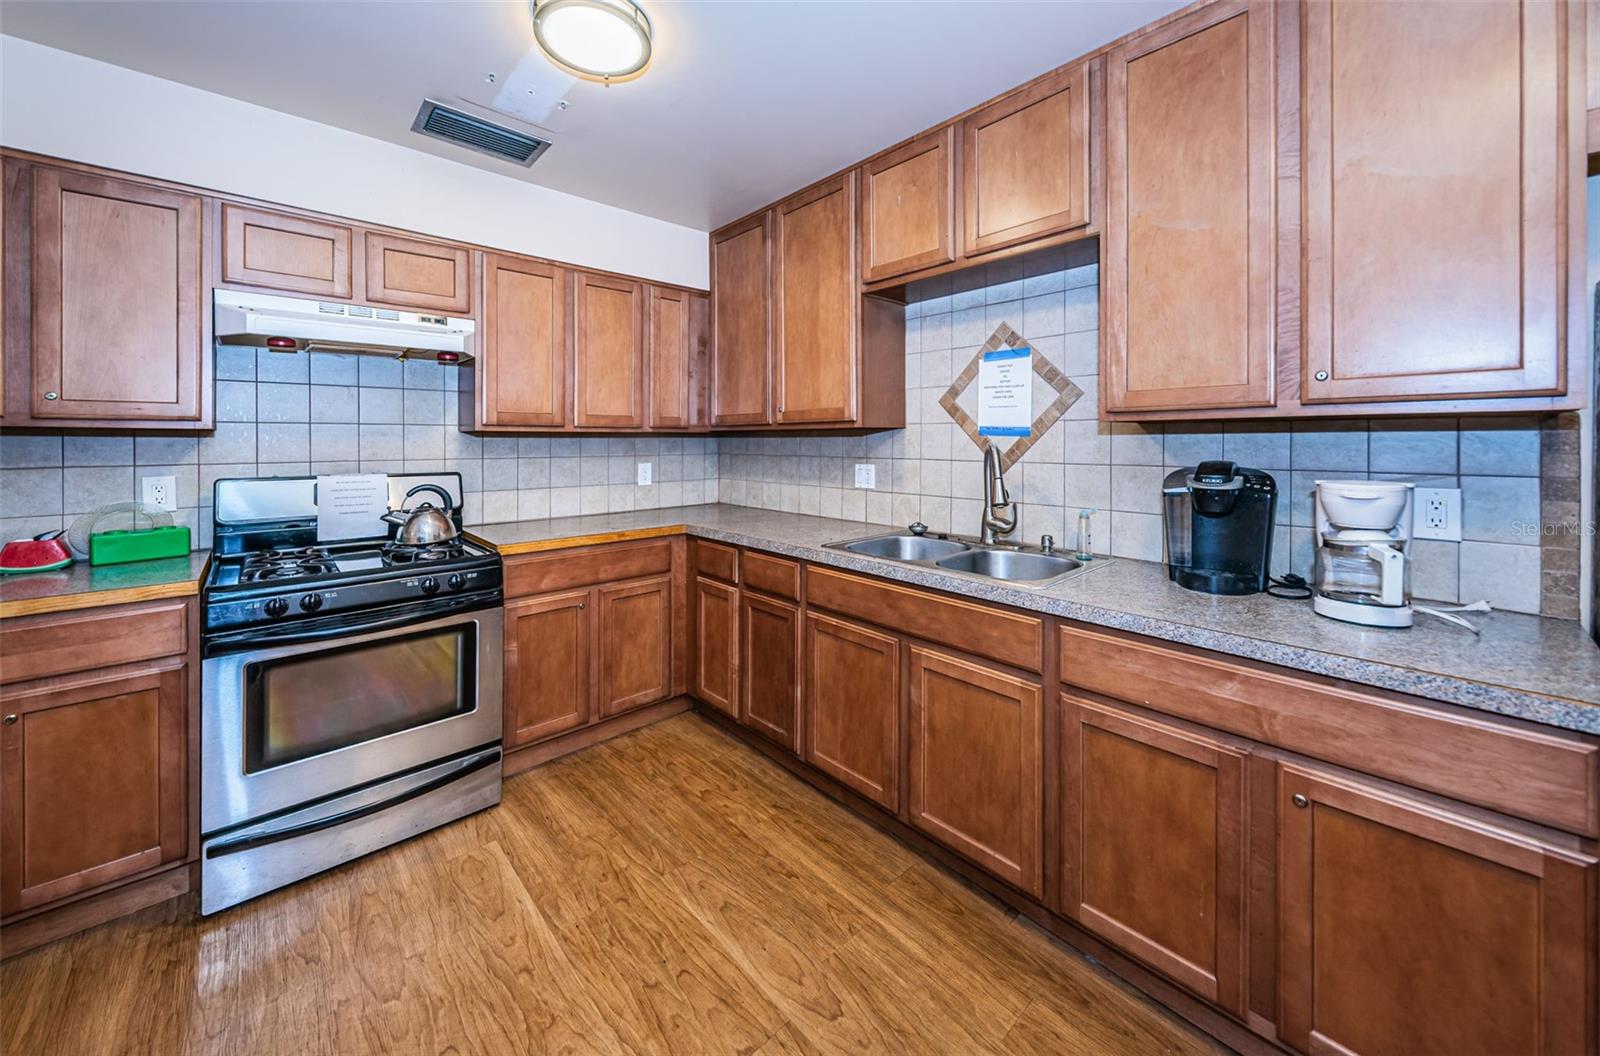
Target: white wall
{"x": 64, "y": 105}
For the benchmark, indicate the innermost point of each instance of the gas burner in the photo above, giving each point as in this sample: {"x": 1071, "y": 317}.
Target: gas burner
{"x": 404, "y": 554}
{"x": 285, "y": 564}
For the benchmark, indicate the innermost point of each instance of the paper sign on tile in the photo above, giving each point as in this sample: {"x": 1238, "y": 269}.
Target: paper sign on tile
{"x": 351, "y": 505}
{"x": 1005, "y": 392}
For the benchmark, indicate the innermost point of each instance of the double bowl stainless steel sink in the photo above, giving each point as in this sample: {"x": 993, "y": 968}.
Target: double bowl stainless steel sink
{"x": 1011, "y": 563}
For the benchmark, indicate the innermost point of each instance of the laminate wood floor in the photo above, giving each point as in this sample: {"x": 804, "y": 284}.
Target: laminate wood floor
{"x": 667, "y": 892}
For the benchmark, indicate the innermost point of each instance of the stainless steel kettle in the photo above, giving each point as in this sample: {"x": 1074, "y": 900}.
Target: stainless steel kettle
{"x": 425, "y": 524}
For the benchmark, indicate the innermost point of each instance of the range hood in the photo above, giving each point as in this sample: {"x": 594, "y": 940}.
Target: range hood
{"x": 292, "y": 324}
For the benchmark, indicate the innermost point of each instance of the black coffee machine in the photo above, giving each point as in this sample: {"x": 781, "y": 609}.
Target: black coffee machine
{"x": 1219, "y": 527}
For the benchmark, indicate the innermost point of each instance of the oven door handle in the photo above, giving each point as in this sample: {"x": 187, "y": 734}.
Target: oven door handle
{"x": 253, "y": 840}
{"x": 258, "y": 639}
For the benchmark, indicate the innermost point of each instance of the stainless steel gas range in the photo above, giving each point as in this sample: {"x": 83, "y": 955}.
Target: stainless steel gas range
{"x": 351, "y": 691}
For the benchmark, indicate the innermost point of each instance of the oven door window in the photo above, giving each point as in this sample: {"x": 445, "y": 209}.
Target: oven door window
{"x": 310, "y": 703}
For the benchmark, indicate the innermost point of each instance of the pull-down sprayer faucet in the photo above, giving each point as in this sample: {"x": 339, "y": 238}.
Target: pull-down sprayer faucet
{"x": 999, "y": 513}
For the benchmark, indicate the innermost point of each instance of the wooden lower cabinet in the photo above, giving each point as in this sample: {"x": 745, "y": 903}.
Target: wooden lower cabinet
{"x": 770, "y": 660}
{"x": 94, "y": 779}
{"x": 976, "y": 775}
{"x": 1405, "y": 928}
{"x": 635, "y": 639}
{"x": 714, "y": 668}
{"x": 852, "y": 707}
{"x": 1153, "y": 844}
{"x": 549, "y": 685}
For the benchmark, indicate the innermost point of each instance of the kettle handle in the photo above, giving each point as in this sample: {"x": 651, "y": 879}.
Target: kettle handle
{"x": 437, "y": 490}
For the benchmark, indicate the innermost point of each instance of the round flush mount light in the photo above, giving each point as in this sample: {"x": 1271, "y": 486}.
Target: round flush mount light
{"x": 598, "y": 40}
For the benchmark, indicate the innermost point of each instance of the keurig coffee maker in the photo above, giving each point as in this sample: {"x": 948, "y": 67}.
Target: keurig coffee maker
{"x": 1219, "y": 527}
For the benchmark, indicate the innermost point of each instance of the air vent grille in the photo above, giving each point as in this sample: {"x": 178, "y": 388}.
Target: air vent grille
{"x": 465, "y": 130}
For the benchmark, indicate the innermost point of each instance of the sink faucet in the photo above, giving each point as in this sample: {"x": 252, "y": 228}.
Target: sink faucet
{"x": 999, "y": 512}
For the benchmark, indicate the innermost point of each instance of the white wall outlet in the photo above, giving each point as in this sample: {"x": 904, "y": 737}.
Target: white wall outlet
{"x": 160, "y": 492}
{"x": 866, "y": 475}
{"x": 1436, "y": 514}
{"x": 646, "y": 472}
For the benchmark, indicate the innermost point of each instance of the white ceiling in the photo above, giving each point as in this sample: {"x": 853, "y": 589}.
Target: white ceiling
{"x": 744, "y": 102}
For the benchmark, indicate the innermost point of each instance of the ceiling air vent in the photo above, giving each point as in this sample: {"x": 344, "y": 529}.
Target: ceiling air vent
{"x": 465, "y": 130}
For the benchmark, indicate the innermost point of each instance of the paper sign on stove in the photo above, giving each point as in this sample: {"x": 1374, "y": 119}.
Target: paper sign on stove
{"x": 351, "y": 505}
{"x": 1005, "y": 392}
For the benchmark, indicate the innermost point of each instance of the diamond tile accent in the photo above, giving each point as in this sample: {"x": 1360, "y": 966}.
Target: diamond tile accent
{"x": 1067, "y": 394}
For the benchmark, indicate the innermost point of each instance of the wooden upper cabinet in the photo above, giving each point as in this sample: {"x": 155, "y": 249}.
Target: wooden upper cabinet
{"x": 908, "y": 207}
{"x": 674, "y": 339}
{"x": 1025, "y": 164}
{"x": 549, "y": 677}
{"x": 1153, "y": 844}
{"x": 1187, "y": 244}
{"x": 522, "y": 365}
{"x": 119, "y": 305}
{"x": 852, "y": 707}
{"x": 741, "y": 322}
{"x": 93, "y": 782}
{"x": 816, "y": 303}
{"x": 977, "y": 764}
{"x": 1407, "y": 928}
{"x": 415, "y": 274}
{"x": 608, "y": 351}
{"x": 1442, "y": 151}
{"x": 283, "y": 252}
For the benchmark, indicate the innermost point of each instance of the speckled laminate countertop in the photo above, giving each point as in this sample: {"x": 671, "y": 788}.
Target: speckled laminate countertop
{"x": 1528, "y": 667}
{"x": 83, "y": 586}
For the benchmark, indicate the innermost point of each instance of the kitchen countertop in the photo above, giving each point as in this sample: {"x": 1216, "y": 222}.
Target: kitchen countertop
{"x": 1528, "y": 667}
{"x": 84, "y": 586}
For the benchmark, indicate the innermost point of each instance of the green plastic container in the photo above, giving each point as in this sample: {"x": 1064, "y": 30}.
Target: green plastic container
{"x": 139, "y": 544}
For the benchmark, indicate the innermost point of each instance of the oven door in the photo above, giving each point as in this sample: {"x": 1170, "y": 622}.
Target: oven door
{"x": 288, "y": 724}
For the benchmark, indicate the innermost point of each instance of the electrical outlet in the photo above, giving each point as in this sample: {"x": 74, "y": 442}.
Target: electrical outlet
{"x": 645, "y": 470}
{"x": 1436, "y": 514}
{"x": 866, "y": 475}
{"x": 161, "y": 492}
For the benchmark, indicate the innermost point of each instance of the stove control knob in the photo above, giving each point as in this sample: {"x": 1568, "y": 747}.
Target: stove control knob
{"x": 310, "y": 602}
{"x": 429, "y": 585}
{"x": 455, "y": 582}
{"x": 276, "y": 607}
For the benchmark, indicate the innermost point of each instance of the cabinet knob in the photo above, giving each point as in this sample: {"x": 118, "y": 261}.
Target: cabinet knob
{"x": 1321, "y": 375}
{"x": 9, "y": 720}
{"x": 583, "y": 604}
{"x": 50, "y": 396}
{"x": 1301, "y": 801}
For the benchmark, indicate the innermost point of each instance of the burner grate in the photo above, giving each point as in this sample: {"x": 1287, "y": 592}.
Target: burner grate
{"x": 285, "y": 564}
{"x": 404, "y": 554}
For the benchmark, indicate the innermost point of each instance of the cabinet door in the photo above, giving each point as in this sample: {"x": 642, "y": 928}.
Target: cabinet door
{"x": 94, "y": 778}
{"x": 524, "y": 359}
{"x": 414, "y": 274}
{"x": 1436, "y": 206}
{"x": 549, "y": 681}
{"x": 770, "y": 689}
{"x": 1026, "y": 164}
{"x": 741, "y": 323}
{"x": 608, "y": 351}
{"x": 716, "y": 644}
{"x": 852, "y": 713}
{"x": 118, "y": 303}
{"x": 1406, "y": 928}
{"x": 1188, "y": 239}
{"x": 1153, "y": 844}
{"x": 262, "y": 248}
{"x": 635, "y": 644}
{"x": 977, "y": 764}
{"x": 669, "y": 345}
{"x": 816, "y": 301}
{"x": 908, "y": 207}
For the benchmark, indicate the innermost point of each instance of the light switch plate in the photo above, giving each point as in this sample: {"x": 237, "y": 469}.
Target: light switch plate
{"x": 160, "y": 492}
{"x": 1436, "y": 514}
{"x": 866, "y": 475}
{"x": 646, "y": 469}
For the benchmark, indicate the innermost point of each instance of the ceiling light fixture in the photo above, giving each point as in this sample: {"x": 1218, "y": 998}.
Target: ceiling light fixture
{"x": 598, "y": 40}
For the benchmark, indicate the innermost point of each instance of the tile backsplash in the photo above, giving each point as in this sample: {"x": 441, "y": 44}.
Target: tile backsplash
{"x": 931, "y": 471}
{"x": 281, "y": 414}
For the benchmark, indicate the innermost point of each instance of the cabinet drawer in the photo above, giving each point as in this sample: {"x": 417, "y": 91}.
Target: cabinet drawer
{"x": 261, "y": 248}
{"x": 1524, "y": 773}
{"x": 40, "y": 646}
{"x": 772, "y": 575}
{"x": 1007, "y": 637}
{"x": 715, "y": 560}
{"x": 564, "y": 569}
